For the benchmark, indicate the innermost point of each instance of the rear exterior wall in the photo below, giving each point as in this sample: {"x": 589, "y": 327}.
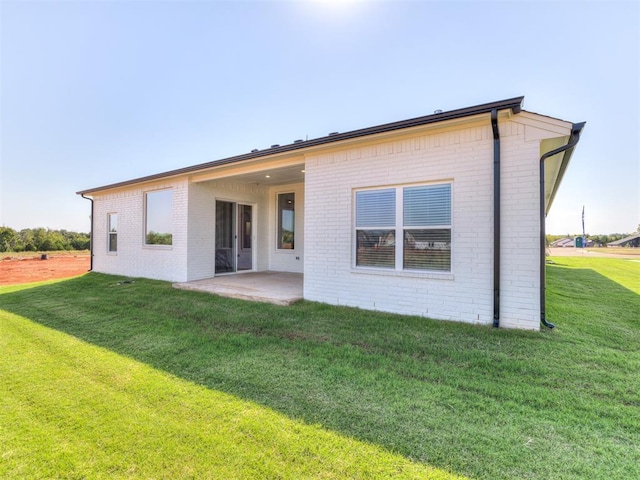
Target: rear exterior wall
{"x": 464, "y": 157}
{"x": 133, "y": 258}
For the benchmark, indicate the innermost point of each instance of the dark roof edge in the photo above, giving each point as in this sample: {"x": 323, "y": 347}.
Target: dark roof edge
{"x": 576, "y": 131}
{"x": 513, "y": 104}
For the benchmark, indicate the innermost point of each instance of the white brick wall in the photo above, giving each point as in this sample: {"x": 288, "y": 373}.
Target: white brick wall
{"x": 520, "y": 231}
{"x": 465, "y": 157}
{"x": 202, "y": 218}
{"x": 133, "y": 258}
{"x": 192, "y": 255}
{"x": 462, "y": 155}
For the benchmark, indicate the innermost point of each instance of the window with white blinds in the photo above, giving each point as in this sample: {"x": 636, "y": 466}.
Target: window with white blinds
{"x": 404, "y": 228}
{"x": 427, "y": 227}
{"x": 376, "y": 208}
{"x": 427, "y": 205}
{"x": 375, "y": 228}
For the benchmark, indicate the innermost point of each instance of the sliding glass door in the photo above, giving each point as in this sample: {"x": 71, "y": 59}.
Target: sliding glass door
{"x": 234, "y": 237}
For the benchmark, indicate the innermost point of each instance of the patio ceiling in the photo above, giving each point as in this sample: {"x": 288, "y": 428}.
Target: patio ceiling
{"x": 270, "y": 176}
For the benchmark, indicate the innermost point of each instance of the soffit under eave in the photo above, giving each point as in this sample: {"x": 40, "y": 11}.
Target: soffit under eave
{"x": 275, "y": 161}
{"x": 553, "y": 167}
{"x": 540, "y": 127}
{"x": 263, "y": 164}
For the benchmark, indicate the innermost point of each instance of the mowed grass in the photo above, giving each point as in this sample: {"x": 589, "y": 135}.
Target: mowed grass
{"x": 137, "y": 380}
{"x": 71, "y": 410}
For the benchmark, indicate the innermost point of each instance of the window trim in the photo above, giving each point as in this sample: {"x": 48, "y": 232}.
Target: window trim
{"x": 159, "y": 246}
{"x": 278, "y": 249}
{"x": 399, "y": 229}
{"x": 110, "y": 233}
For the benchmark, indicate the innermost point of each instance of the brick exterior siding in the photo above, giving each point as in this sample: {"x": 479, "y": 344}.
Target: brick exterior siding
{"x": 464, "y": 157}
{"x": 459, "y": 152}
{"x": 134, "y": 258}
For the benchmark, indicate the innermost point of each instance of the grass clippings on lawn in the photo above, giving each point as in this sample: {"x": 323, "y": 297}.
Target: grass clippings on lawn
{"x": 475, "y": 401}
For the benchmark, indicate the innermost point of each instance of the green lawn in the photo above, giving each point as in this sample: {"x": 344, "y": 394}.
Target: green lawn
{"x": 102, "y": 379}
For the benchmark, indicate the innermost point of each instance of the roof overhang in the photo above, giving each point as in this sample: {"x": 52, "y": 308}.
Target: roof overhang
{"x": 556, "y": 164}
{"x": 514, "y": 105}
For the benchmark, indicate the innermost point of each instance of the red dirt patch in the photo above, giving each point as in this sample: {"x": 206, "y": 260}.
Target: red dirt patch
{"x": 15, "y": 270}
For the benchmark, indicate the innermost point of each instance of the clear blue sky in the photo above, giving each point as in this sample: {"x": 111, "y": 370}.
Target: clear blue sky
{"x": 96, "y": 92}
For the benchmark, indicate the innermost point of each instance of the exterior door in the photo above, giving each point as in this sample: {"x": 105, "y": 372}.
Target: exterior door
{"x": 234, "y": 237}
{"x": 245, "y": 233}
{"x": 225, "y": 237}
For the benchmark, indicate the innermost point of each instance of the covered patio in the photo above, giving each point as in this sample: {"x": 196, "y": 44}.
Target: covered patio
{"x": 279, "y": 288}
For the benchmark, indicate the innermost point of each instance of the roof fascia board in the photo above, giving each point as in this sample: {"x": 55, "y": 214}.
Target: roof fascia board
{"x": 478, "y": 120}
{"x": 553, "y": 125}
{"x": 514, "y": 105}
{"x": 278, "y": 160}
{"x": 146, "y": 186}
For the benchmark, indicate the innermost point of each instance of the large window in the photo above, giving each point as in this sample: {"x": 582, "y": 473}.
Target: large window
{"x": 112, "y": 229}
{"x": 158, "y": 218}
{"x": 286, "y": 221}
{"x": 404, "y": 228}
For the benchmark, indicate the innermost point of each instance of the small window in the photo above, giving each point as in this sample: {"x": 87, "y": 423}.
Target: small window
{"x": 112, "y": 229}
{"x": 158, "y": 217}
{"x": 286, "y": 221}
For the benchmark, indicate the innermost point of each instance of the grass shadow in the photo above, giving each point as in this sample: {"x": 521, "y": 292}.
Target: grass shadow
{"x": 474, "y": 400}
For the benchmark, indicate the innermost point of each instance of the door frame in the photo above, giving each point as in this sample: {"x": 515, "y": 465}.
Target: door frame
{"x": 235, "y": 227}
{"x": 243, "y": 254}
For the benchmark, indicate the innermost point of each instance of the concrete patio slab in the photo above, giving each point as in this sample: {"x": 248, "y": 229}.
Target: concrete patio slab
{"x": 280, "y": 288}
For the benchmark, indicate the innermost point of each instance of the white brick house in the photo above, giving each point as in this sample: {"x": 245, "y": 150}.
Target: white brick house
{"x": 439, "y": 216}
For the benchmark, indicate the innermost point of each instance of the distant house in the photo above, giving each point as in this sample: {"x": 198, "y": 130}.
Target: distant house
{"x": 440, "y": 216}
{"x": 630, "y": 241}
{"x": 563, "y": 242}
{"x": 571, "y": 242}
